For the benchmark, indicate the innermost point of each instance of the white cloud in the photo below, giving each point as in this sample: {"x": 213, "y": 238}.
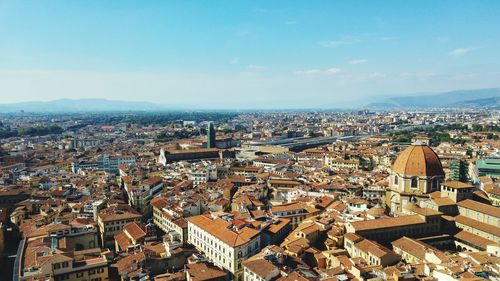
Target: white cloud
{"x": 387, "y": 38}
{"x": 376, "y": 75}
{"x": 256, "y": 67}
{"x": 358, "y": 61}
{"x": 329, "y": 71}
{"x": 333, "y": 71}
{"x": 235, "y": 60}
{"x": 335, "y": 43}
{"x": 418, "y": 75}
{"x": 309, "y": 71}
{"x": 461, "y": 51}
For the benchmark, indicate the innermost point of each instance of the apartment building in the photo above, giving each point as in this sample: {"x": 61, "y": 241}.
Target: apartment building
{"x": 260, "y": 270}
{"x": 245, "y": 171}
{"x": 131, "y": 237}
{"x": 372, "y": 252}
{"x": 295, "y": 212}
{"x": 61, "y": 252}
{"x": 105, "y": 163}
{"x": 140, "y": 194}
{"x": 84, "y": 142}
{"x": 224, "y": 241}
{"x": 336, "y": 163}
{"x": 112, "y": 219}
{"x": 170, "y": 217}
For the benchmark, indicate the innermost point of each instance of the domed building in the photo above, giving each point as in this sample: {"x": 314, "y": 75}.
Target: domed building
{"x": 376, "y": 212}
{"x": 416, "y": 172}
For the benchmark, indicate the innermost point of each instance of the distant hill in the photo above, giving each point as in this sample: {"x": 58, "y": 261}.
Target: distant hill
{"x": 487, "y": 102}
{"x": 459, "y": 98}
{"x": 82, "y": 105}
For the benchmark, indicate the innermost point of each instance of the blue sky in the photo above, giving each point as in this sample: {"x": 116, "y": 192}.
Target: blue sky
{"x": 246, "y": 54}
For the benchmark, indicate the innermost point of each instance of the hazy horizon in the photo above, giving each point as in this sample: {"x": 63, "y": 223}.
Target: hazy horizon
{"x": 248, "y": 54}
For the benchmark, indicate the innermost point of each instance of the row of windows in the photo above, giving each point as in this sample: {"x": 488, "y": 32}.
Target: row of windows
{"x": 414, "y": 183}
{"x": 219, "y": 258}
{"x": 202, "y": 237}
{"x": 207, "y": 244}
{"x": 113, "y": 228}
{"x": 480, "y": 216}
{"x": 401, "y": 232}
{"x": 80, "y": 275}
{"x": 56, "y": 266}
{"x": 95, "y": 271}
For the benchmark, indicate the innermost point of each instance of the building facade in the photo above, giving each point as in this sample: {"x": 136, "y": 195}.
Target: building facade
{"x": 224, "y": 243}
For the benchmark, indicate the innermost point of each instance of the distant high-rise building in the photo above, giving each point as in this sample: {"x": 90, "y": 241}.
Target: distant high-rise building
{"x": 459, "y": 170}
{"x": 211, "y": 135}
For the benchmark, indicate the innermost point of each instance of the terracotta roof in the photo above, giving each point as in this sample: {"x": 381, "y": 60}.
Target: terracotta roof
{"x": 372, "y": 247}
{"x": 118, "y": 212}
{"x": 473, "y": 239}
{"x": 246, "y": 168}
{"x": 130, "y": 263}
{"x": 414, "y": 247}
{"x": 494, "y": 190}
{"x": 488, "y": 228}
{"x": 275, "y": 227}
{"x": 457, "y": 184}
{"x": 196, "y": 150}
{"x": 353, "y": 237}
{"x": 201, "y": 271}
{"x": 387, "y": 222}
{"x": 283, "y": 182}
{"x": 159, "y": 202}
{"x": 443, "y": 201}
{"x": 122, "y": 240}
{"x": 480, "y": 207}
{"x": 423, "y": 211}
{"x": 261, "y": 267}
{"x": 221, "y": 229}
{"x": 287, "y": 207}
{"x": 418, "y": 160}
{"x": 294, "y": 276}
{"x": 134, "y": 231}
{"x": 153, "y": 181}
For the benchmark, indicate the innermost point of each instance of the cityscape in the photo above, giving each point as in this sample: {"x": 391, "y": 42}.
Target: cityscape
{"x": 129, "y": 151}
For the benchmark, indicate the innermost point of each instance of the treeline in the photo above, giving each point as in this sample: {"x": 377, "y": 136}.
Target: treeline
{"x": 439, "y": 134}
{"x": 473, "y": 128}
{"x": 30, "y": 131}
{"x": 183, "y": 134}
{"x": 160, "y": 118}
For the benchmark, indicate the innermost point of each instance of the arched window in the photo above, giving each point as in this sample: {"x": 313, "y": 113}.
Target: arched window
{"x": 414, "y": 183}
{"x": 396, "y": 180}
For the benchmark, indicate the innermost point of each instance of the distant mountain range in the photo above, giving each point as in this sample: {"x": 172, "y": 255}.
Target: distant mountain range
{"x": 478, "y": 98}
{"x": 83, "y": 105}
{"x": 485, "y": 98}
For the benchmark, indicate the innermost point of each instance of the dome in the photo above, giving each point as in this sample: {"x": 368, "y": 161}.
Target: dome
{"x": 376, "y": 211}
{"x": 418, "y": 160}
